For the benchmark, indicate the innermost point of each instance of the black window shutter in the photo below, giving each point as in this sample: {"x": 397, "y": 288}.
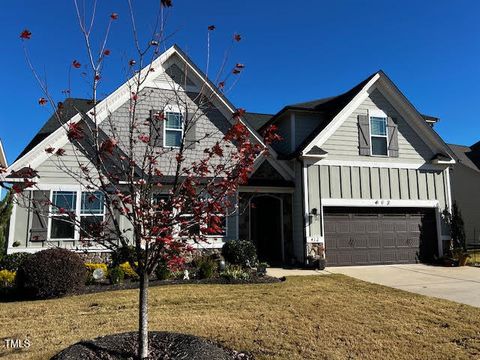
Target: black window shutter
{"x": 157, "y": 122}
{"x": 39, "y": 212}
{"x": 191, "y": 129}
{"x": 364, "y": 134}
{"x": 392, "y": 138}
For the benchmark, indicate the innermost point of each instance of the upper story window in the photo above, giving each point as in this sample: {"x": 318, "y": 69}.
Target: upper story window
{"x": 173, "y": 129}
{"x": 379, "y": 136}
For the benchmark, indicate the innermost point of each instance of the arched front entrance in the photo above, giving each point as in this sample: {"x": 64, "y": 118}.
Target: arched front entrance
{"x": 266, "y": 222}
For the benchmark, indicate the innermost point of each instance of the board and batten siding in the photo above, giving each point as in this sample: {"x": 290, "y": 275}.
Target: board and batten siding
{"x": 373, "y": 183}
{"x": 343, "y": 144}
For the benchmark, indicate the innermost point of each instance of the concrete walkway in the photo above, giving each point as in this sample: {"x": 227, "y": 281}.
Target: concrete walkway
{"x": 460, "y": 284}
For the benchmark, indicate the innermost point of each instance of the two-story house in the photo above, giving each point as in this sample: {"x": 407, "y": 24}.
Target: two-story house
{"x": 362, "y": 175}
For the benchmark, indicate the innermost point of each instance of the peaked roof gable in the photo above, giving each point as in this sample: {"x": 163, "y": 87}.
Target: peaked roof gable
{"x": 354, "y": 97}
{"x": 34, "y": 153}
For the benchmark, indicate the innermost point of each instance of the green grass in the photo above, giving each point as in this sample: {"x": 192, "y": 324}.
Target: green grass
{"x": 311, "y": 317}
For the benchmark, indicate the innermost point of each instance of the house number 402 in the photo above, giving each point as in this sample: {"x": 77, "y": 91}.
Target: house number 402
{"x": 17, "y": 343}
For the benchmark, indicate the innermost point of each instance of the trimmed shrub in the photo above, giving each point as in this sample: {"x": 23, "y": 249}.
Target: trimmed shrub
{"x": 116, "y": 275}
{"x": 91, "y": 267}
{"x": 205, "y": 267}
{"x": 240, "y": 252}
{"x": 7, "y": 278}
{"x": 128, "y": 271}
{"x": 123, "y": 254}
{"x": 234, "y": 272}
{"x": 162, "y": 272}
{"x": 11, "y": 262}
{"x": 51, "y": 273}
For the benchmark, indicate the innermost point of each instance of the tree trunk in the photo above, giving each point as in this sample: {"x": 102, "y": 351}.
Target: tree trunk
{"x": 143, "y": 317}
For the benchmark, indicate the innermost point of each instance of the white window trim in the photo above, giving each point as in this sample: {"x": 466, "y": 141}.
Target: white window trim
{"x": 377, "y": 113}
{"x": 175, "y": 110}
{"x": 78, "y": 210}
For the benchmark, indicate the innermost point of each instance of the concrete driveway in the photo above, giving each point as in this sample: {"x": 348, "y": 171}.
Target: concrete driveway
{"x": 460, "y": 284}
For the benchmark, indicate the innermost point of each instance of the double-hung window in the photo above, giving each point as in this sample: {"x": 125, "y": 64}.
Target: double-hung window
{"x": 91, "y": 213}
{"x": 379, "y": 136}
{"x": 64, "y": 203}
{"x": 69, "y": 207}
{"x": 173, "y": 129}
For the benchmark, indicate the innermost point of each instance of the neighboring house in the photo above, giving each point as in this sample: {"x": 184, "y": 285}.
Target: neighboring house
{"x": 362, "y": 174}
{"x": 466, "y": 189}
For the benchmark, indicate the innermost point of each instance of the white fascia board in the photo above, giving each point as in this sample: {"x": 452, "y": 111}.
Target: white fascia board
{"x": 343, "y": 115}
{"x": 104, "y": 108}
{"x": 411, "y": 115}
{"x": 3, "y": 158}
{"x": 380, "y": 203}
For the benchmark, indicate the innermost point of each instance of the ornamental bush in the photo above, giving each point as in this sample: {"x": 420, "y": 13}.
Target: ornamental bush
{"x": 128, "y": 271}
{"x": 234, "y": 272}
{"x": 7, "y": 278}
{"x": 123, "y": 254}
{"x": 240, "y": 252}
{"x": 51, "y": 273}
{"x": 205, "y": 267}
{"x": 11, "y": 262}
{"x": 116, "y": 275}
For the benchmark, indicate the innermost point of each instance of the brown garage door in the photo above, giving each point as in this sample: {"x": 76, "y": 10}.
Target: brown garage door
{"x": 368, "y": 236}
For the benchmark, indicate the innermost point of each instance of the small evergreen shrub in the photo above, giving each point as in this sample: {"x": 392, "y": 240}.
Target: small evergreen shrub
{"x": 240, "y": 252}
{"x": 162, "y": 272}
{"x": 116, "y": 275}
{"x": 7, "y": 278}
{"x": 51, "y": 273}
{"x": 205, "y": 267}
{"x": 11, "y": 262}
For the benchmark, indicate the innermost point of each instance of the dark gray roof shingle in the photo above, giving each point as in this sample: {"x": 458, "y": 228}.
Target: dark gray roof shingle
{"x": 467, "y": 155}
{"x": 257, "y": 120}
{"x": 71, "y": 107}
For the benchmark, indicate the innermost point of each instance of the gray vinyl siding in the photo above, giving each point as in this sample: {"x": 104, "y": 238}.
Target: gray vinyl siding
{"x": 466, "y": 193}
{"x": 285, "y": 131}
{"x": 211, "y": 122}
{"x": 62, "y": 169}
{"x": 352, "y": 182}
{"x": 305, "y": 124}
{"x": 298, "y": 215}
{"x": 344, "y": 143}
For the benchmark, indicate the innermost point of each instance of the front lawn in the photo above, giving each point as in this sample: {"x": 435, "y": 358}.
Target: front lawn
{"x": 311, "y": 317}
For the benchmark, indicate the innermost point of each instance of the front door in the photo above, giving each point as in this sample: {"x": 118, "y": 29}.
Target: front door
{"x": 266, "y": 228}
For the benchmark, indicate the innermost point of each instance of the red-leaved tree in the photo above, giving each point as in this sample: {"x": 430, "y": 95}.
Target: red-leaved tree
{"x": 168, "y": 198}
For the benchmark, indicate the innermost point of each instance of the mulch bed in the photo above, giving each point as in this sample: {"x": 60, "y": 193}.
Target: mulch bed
{"x": 89, "y": 289}
{"x": 162, "y": 345}
{"x": 11, "y": 295}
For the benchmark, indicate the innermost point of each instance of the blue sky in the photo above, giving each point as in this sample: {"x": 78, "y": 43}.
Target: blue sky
{"x": 293, "y": 52}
